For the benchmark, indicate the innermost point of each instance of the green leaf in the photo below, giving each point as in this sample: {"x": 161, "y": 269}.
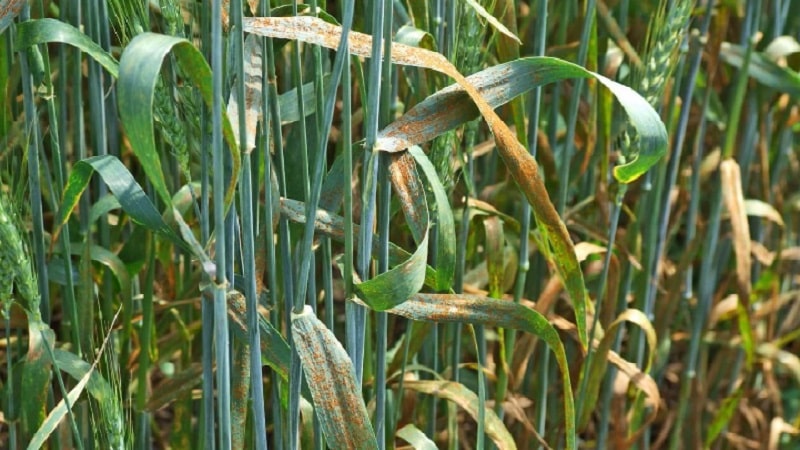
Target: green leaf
{"x": 332, "y": 225}
{"x": 495, "y": 255}
{"x": 139, "y": 70}
{"x": 442, "y": 215}
{"x": 762, "y": 69}
{"x": 99, "y": 388}
{"x": 415, "y": 37}
{"x": 124, "y": 187}
{"x": 504, "y": 314}
{"x": 724, "y": 416}
{"x": 337, "y": 398}
{"x": 599, "y": 362}
{"x": 393, "y": 287}
{"x": 414, "y": 436}
{"x": 35, "y": 376}
{"x": 110, "y": 260}
{"x": 43, "y": 31}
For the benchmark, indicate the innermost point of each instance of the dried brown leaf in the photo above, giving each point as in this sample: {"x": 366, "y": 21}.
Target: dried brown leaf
{"x": 734, "y": 200}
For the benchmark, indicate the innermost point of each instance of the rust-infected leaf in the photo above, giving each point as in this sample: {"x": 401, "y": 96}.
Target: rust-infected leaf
{"x": 275, "y": 350}
{"x": 406, "y": 183}
{"x": 9, "y": 9}
{"x": 331, "y": 379}
{"x": 240, "y": 391}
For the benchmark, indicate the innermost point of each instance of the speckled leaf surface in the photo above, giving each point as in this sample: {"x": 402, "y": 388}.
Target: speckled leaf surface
{"x": 331, "y": 379}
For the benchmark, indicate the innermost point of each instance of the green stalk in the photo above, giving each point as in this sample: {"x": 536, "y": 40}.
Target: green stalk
{"x": 33, "y": 148}
{"x": 248, "y": 240}
{"x": 381, "y": 319}
{"x": 383, "y": 217}
{"x": 207, "y": 309}
{"x": 208, "y": 419}
{"x": 98, "y": 116}
{"x": 145, "y": 336}
{"x": 572, "y": 115}
{"x": 369, "y": 178}
{"x": 221, "y": 335}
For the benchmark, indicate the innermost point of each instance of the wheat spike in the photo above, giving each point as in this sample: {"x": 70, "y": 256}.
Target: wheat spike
{"x": 665, "y": 36}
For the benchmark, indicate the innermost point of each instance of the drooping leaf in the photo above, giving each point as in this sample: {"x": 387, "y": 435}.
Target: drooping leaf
{"x": 486, "y": 311}
{"x": 762, "y": 69}
{"x": 124, "y": 187}
{"x": 758, "y": 208}
{"x": 275, "y": 351}
{"x": 393, "y": 287}
{"x": 332, "y": 225}
{"x": 331, "y": 379}
{"x": 468, "y": 400}
{"x": 600, "y": 359}
{"x": 414, "y": 436}
{"x": 139, "y": 71}
{"x": 452, "y": 106}
{"x": 43, "y": 31}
